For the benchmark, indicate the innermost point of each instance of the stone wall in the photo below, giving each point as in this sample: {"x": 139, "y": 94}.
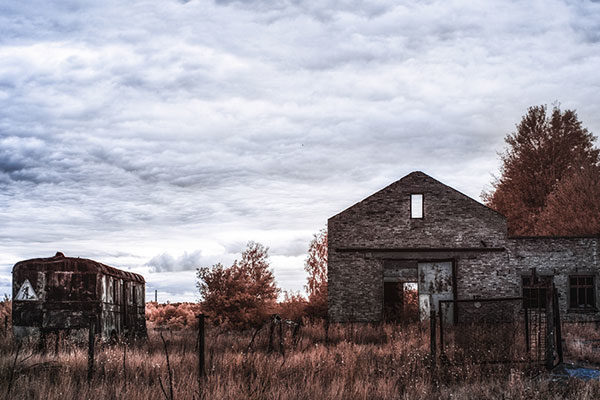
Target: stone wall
{"x": 451, "y": 219}
{"x": 376, "y": 239}
{"x": 559, "y": 257}
{"x": 485, "y": 275}
{"x": 355, "y": 290}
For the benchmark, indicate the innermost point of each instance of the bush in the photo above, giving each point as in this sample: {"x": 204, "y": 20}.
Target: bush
{"x": 174, "y": 316}
{"x": 242, "y": 295}
{"x": 5, "y": 311}
{"x": 293, "y": 306}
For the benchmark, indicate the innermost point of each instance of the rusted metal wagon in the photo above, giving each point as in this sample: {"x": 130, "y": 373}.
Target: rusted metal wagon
{"x": 65, "y": 294}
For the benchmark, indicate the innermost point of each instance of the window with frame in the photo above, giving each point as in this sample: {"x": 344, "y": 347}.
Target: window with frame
{"x": 534, "y": 294}
{"x": 416, "y": 206}
{"x": 581, "y": 292}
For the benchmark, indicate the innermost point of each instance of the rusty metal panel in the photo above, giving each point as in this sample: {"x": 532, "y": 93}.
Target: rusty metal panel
{"x": 435, "y": 283}
{"x": 64, "y": 293}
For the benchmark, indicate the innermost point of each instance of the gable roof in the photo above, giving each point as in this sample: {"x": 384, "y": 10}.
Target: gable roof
{"x": 401, "y": 181}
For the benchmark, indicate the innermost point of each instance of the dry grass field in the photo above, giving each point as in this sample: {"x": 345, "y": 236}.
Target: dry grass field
{"x": 359, "y": 362}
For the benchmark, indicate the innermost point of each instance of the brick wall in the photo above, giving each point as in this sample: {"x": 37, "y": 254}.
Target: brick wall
{"x": 451, "y": 219}
{"x": 560, "y": 257}
{"x": 355, "y": 287}
{"x": 376, "y": 237}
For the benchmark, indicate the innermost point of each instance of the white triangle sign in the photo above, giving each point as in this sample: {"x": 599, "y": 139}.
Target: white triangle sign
{"x": 26, "y": 292}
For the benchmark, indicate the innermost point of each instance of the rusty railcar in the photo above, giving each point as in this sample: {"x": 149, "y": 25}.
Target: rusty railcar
{"x": 66, "y": 293}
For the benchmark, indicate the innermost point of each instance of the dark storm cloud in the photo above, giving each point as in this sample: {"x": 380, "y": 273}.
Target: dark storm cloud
{"x": 152, "y": 129}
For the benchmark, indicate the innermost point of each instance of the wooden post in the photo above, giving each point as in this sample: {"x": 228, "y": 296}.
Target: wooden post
{"x": 170, "y": 397}
{"x": 124, "y": 361}
{"x": 549, "y": 329}
{"x": 91, "y": 337}
{"x": 271, "y": 331}
{"x": 155, "y": 296}
{"x": 281, "y": 342}
{"x": 432, "y": 337}
{"x": 56, "y": 343}
{"x": 557, "y": 325}
{"x": 42, "y": 341}
{"x": 441, "y": 318}
{"x": 295, "y": 336}
{"x": 201, "y": 348}
{"x": 527, "y": 337}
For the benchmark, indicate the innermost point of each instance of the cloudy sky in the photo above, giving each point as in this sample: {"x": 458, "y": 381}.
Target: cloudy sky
{"x": 159, "y": 136}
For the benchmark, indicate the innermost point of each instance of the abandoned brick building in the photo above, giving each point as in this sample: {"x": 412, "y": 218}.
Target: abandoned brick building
{"x": 418, "y": 233}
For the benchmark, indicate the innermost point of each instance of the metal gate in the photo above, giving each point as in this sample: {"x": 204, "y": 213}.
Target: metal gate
{"x": 499, "y": 330}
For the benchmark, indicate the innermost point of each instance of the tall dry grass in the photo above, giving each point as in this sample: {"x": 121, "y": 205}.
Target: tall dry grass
{"x": 581, "y": 342}
{"x": 357, "y": 362}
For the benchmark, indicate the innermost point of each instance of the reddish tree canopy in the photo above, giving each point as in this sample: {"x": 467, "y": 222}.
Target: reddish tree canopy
{"x": 242, "y": 295}
{"x": 573, "y": 208}
{"x": 543, "y": 150}
{"x": 316, "y": 266}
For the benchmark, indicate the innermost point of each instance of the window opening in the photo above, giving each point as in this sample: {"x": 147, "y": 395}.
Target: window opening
{"x": 534, "y": 293}
{"x": 581, "y": 292}
{"x": 416, "y": 206}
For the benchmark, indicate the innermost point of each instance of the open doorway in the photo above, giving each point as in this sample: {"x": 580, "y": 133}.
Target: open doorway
{"x": 400, "y": 301}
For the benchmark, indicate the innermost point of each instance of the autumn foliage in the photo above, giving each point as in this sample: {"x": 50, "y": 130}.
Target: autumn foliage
{"x": 316, "y": 267}
{"x": 241, "y": 295}
{"x": 173, "y": 316}
{"x": 549, "y": 176}
{"x": 293, "y": 306}
{"x": 573, "y": 208}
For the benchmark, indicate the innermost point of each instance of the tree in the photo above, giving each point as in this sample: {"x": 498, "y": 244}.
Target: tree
{"x": 573, "y": 208}
{"x": 293, "y": 306}
{"x": 242, "y": 295}
{"x": 316, "y": 266}
{"x": 543, "y": 150}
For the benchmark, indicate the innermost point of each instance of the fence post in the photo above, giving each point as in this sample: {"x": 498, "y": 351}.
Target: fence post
{"x": 527, "y": 338}
{"x": 549, "y": 329}
{"x": 295, "y": 336}
{"x": 201, "y": 346}
{"x": 432, "y": 337}
{"x": 441, "y": 318}
{"x": 281, "y": 339}
{"x": 91, "y": 337}
{"x": 271, "y": 332}
{"x": 559, "y": 349}
{"x": 41, "y": 347}
{"x": 56, "y": 343}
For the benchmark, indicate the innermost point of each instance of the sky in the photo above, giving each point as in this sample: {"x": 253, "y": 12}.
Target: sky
{"x": 160, "y": 136}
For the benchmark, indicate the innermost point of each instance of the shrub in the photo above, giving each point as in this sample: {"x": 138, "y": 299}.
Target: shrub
{"x": 174, "y": 316}
{"x": 242, "y": 295}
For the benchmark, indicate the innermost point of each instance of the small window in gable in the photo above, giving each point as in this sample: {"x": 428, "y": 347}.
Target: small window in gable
{"x": 416, "y": 206}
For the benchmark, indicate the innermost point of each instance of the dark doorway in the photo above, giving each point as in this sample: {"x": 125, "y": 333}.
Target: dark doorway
{"x": 400, "y": 301}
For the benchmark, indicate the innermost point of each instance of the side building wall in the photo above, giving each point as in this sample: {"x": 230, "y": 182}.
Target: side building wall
{"x": 561, "y": 258}
{"x": 355, "y": 289}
